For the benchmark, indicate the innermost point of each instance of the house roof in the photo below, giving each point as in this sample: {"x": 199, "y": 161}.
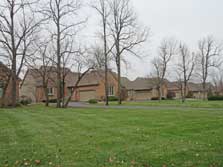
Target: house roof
{"x": 194, "y": 87}
{"x": 140, "y": 83}
{"x": 91, "y": 78}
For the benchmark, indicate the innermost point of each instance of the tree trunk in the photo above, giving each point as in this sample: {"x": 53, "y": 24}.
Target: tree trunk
{"x": 119, "y": 81}
{"x": 47, "y": 97}
{"x": 160, "y": 92}
{"x": 184, "y": 92}
{"x": 14, "y": 79}
{"x": 58, "y": 67}
{"x": 70, "y": 97}
{"x": 13, "y": 71}
{"x": 204, "y": 91}
{"x": 106, "y": 64}
{"x": 63, "y": 93}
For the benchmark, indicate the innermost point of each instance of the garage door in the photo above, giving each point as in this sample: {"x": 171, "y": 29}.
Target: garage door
{"x": 87, "y": 95}
{"x": 143, "y": 95}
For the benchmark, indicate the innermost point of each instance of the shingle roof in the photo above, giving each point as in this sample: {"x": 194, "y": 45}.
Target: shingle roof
{"x": 91, "y": 78}
{"x": 194, "y": 87}
{"x": 141, "y": 84}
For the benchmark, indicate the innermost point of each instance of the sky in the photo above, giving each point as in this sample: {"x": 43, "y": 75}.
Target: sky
{"x": 186, "y": 20}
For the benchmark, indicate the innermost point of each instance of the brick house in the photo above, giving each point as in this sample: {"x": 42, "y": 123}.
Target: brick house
{"x": 6, "y": 85}
{"x": 194, "y": 90}
{"x": 32, "y": 85}
{"x": 143, "y": 89}
{"x": 90, "y": 87}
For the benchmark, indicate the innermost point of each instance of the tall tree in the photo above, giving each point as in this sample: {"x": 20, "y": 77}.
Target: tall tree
{"x": 166, "y": 51}
{"x": 17, "y": 28}
{"x": 103, "y": 10}
{"x": 209, "y": 56}
{"x": 62, "y": 28}
{"x": 126, "y": 33}
{"x": 185, "y": 68}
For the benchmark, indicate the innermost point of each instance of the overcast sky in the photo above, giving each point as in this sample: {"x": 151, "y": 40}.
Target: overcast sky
{"x": 186, "y": 20}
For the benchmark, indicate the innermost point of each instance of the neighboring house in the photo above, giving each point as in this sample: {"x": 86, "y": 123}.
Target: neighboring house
{"x": 174, "y": 90}
{"x": 143, "y": 89}
{"x": 194, "y": 90}
{"x": 32, "y": 84}
{"x": 90, "y": 87}
{"x": 6, "y": 85}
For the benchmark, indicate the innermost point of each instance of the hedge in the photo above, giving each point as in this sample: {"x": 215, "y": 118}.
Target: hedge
{"x": 93, "y": 101}
{"x": 215, "y": 98}
{"x": 112, "y": 98}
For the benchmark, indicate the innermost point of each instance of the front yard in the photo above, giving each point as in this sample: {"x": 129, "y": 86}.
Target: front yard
{"x": 39, "y": 136}
{"x": 173, "y": 103}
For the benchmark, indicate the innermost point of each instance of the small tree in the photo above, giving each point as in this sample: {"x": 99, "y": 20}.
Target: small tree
{"x": 83, "y": 63}
{"x": 45, "y": 60}
{"x": 166, "y": 51}
{"x": 209, "y": 57}
{"x": 185, "y": 69}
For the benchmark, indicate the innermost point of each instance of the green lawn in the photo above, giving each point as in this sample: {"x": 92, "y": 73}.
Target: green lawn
{"x": 175, "y": 103}
{"x": 110, "y": 137}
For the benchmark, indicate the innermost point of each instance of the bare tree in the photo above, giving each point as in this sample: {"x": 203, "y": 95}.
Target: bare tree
{"x": 167, "y": 50}
{"x": 17, "y": 28}
{"x": 217, "y": 80}
{"x": 83, "y": 63}
{"x": 209, "y": 56}
{"x": 45, "y": 60}
{"x": 185, "y": 68}
{"x": 98, "y": 54}
{"x": 5, "y": 77}
{"x": 59, "y": 13}
{"x": 126, "y": 33}
{"x": 103, "y": 9}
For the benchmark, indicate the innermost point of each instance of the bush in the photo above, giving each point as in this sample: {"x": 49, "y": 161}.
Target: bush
{"x": 163, "y": 98}
{"x": 93, "y": 101}
{"x": 215, "y": 98}
{"x": 190, "y": 95}
{"x": 50, "y": 101}
{"x": 155, "y": 98}
{"x": 171, "y": 95}
{"x": 112, "y": 98}
{"x": 53, "y": 101}
{"x": 25, "y": 101}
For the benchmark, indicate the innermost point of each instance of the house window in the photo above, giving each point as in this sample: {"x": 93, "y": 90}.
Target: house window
{"x": 50, "y": 91}
{"x": 111, "y": 90}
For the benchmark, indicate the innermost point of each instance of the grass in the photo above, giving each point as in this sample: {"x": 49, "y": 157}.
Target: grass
{"x": 110, "y": 137}
{"x": 174, "y": 103}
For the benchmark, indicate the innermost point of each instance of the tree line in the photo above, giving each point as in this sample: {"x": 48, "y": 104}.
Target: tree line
{"x": 44, "y": 33}
{"x": 205, "y": 64}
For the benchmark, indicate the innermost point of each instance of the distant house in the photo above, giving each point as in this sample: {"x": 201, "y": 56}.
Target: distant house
{"x": 143, "y": 89}
{"x": 6, "y": 85}
{"x": 194, "y": 90}
{"x": 90, "y": 87}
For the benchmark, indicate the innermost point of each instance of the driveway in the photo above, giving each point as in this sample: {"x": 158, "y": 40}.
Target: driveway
{"x": 87, "y": 105}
